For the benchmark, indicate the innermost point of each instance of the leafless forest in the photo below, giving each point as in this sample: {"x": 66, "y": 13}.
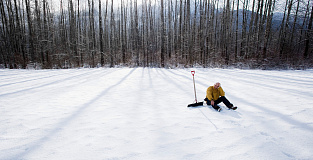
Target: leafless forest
{"x": 262, "y": 34}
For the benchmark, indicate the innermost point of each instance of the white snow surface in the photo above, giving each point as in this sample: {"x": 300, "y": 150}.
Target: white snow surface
{"x": 142, "y": 113}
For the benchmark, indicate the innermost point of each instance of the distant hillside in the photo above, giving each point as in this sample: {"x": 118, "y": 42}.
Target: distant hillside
{"x": 276, "y": 21}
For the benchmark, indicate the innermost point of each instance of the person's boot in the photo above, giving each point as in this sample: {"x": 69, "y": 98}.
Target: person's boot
{"x": 232, "y": 107}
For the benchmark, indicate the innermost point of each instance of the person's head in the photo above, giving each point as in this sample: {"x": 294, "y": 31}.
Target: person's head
{"x": 217, "y": 85}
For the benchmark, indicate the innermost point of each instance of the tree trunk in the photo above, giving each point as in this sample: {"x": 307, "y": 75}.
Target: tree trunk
{"x": 162, "y": 35}
{"x": 268, "y": 27}
{"x": 30, "y": 30}
{"x": 308, "y": 36}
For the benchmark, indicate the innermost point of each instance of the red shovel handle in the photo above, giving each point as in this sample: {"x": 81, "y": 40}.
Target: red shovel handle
{"x": 194, "y": 85}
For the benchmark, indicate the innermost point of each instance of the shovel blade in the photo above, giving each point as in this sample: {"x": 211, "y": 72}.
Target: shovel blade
{"x": 195, "y": 104}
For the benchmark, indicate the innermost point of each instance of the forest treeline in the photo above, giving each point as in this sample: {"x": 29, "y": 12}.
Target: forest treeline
{"x": 156, "y": 33}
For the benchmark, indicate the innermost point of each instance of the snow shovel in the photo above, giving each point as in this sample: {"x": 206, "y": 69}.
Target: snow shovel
{"x": 194, "y": 87}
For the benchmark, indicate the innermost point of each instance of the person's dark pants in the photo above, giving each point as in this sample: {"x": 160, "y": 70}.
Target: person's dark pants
{"x": 219, "y": 100}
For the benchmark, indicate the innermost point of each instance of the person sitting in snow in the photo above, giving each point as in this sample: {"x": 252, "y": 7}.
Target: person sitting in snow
{"x": 216, "y": 95}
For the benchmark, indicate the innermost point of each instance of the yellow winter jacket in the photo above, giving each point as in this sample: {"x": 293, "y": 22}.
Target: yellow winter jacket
{"x": 214, "y": 94}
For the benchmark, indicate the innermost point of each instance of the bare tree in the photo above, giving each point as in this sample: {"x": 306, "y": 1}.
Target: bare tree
{"x": 112, "y": 36}
{"x": 268, "y": 26}
{"x": 101, "y": 34}
{"x": 308, "y": 36}
{"x": 162, "y": 35}
{"x": 30, "y": 30}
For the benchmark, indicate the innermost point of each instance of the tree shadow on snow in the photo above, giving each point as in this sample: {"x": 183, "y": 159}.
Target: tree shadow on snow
{"x": 33, "y": 146}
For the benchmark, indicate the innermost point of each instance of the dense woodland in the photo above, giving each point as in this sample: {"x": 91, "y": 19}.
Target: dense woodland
{"x": 156, "y": 33}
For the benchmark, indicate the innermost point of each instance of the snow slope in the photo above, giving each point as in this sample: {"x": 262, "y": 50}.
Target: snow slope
{"x": 141, "y": 113}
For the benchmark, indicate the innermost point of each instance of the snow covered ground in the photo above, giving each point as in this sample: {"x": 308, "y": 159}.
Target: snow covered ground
{"x": 142, "y": 113}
